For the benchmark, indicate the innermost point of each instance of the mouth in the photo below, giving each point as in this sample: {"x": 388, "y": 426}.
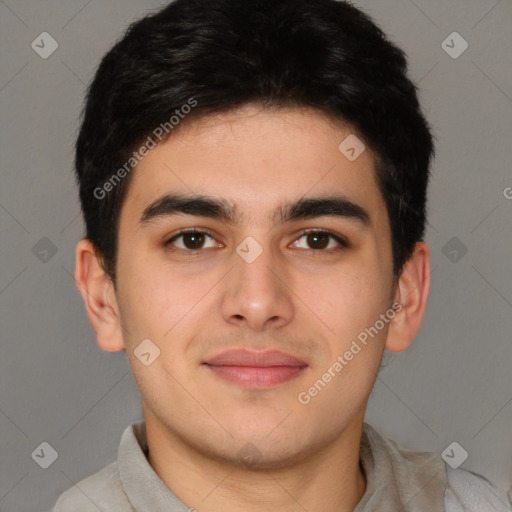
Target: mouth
{"x": 251, "y": 369}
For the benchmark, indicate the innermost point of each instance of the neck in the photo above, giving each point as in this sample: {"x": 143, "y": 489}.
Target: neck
{"x": 330, "y": 480}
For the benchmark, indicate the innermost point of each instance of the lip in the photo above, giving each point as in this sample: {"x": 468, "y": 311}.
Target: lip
{"x": 260, "y": 358}
{"x": 256, "y": 369}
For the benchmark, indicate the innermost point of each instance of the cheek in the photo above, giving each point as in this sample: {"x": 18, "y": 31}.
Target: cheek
{"x": 166, "y": 307}
{"x": 350, "y": 298}
{"x": 343, "y": 380}
{"x": 155, "y": 297}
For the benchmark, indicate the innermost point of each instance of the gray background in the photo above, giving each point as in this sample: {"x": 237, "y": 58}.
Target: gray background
{"x": 56, "y": 385}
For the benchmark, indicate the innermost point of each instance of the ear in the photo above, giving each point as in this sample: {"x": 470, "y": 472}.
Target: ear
{"x": 412, "y": 293}
{"x": 99, "y": 296}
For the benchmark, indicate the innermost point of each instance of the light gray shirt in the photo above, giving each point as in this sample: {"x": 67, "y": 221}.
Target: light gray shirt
{"x": 397, "y": 480}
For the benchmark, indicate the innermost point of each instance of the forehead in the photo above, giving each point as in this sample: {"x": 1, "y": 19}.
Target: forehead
{"x": 256, "y": 161}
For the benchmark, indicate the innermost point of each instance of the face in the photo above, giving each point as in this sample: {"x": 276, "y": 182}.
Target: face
{"x": 251, "y": 313}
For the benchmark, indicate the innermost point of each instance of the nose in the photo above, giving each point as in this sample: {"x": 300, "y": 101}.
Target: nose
{"x": 257, "y": 293}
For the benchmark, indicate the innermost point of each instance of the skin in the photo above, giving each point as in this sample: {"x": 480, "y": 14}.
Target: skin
{"x": 293, "y": 297}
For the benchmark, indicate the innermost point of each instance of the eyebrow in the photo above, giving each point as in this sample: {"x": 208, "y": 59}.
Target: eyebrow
{"x": 211, "y": 207}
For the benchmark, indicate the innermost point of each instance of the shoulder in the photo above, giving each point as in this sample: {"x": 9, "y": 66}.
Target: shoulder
{"x": 101, "y": 491}
{"x": 470, "y": 492}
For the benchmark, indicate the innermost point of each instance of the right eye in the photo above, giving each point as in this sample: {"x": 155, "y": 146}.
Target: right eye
{"x": 192, "y": 240}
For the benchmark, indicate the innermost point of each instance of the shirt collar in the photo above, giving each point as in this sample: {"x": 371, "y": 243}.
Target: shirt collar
{"x": 399, "y": 479}
{"x": 144, "y": 488}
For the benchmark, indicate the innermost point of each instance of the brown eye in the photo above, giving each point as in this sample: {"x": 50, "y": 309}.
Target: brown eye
{"x": 191, "y": 240}
{"x": 319, "y": 240}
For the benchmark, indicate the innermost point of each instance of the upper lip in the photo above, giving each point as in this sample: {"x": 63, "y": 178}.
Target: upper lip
{"x": 257, "y": 359}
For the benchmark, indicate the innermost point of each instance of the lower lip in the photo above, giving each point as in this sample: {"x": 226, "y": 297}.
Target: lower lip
{"x": 257, "y": 377}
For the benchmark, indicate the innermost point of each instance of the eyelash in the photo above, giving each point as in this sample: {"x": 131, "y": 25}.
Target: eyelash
{"x": 338, "y": 238}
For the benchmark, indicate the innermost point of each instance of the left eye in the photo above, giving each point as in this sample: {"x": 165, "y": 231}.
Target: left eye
{"x": 319, "y": 240}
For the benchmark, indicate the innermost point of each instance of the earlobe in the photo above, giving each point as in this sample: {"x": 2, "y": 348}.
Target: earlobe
{"x": 412, "y": 294}
{"x": 99, "y": 297}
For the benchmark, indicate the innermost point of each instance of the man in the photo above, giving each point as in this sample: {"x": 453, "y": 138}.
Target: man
{"x": 253, "y": 178}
